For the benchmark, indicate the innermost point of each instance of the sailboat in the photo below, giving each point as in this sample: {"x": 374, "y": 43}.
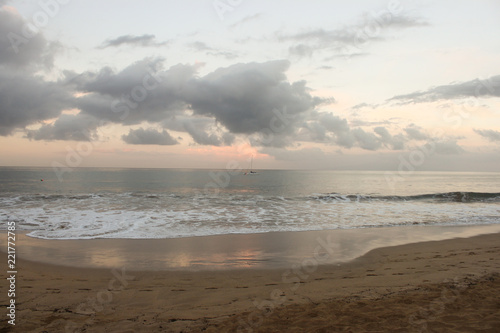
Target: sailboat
{"x": 251, "y": 172}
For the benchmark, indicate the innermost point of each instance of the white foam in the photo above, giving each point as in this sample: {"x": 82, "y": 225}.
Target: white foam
{"x": 129, "y": 215}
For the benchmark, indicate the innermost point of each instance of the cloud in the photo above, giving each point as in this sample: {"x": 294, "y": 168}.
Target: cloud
{"x": 149, "y": 136}
{"x": 203, "y": 47}
{"x": 144, "y": 40}
{"x": 415, "y": 133}
{"x": 252, "y": 98}
{"x": 328, "y": 128}
{"x": 351, "y": 38}
{"x": 333, "y": 123}
{"x": 245, "y": 20}
{"x": 242, "y": 99}
{"x": 301, "y": 50}
{"x": 331, "y": 129}
{"x": 491, "y": 135}
{"x": 364, "y": 105}
{"x": 203, "y": 130}
{"x": 26, "y": 100}
{"x": 359, "y": 122}
{"x": 200, "y": 46}
{"x": 448, "y": 147}
{"x": 21, "y": 47}
{"x": 140, "y": 92}
{"x": 67, "y": 127}
{"x": 396, "y": 142}
{"x": 200, "y": 136}
{"x": 405, "y": 21}
{"x": 475, "y": 88}
{"x": 366, "y": 140}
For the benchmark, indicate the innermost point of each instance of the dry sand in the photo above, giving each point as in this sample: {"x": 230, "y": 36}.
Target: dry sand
{"x": 438, "y": 286}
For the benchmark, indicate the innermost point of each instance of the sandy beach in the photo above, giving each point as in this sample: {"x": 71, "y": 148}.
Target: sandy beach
{"x": 434, "y": 286}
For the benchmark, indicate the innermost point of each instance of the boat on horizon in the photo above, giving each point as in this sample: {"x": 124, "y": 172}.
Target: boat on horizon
{"x": 251, "y": 172}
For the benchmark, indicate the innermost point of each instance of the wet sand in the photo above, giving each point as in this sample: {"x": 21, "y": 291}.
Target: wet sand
{"x": 434, "y": 286}
{"x": 273, "y": 250}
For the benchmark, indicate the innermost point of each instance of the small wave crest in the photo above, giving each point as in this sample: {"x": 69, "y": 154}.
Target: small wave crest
{"x": 435, "y": 197}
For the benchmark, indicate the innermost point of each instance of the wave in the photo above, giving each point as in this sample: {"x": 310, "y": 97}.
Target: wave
{"x": 434, "y": 197}
{"x": 167, "y": 215}
{"x": 446, "y": 197}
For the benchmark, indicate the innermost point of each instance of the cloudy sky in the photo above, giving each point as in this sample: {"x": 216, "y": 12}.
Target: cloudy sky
{"x": 373, "y": 85}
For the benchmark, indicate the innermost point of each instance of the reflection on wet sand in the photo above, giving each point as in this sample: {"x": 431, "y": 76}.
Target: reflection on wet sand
{"x": 266, "y": 250}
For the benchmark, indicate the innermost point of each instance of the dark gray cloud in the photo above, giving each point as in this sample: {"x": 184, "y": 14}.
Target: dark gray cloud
{"x": 67, "y": 127}
{"x": 491, "y": 135}
{"x": 26, "y": 100}
{"x": 21, "y": 47}
{"x": 200, "y": 136}
{"x": 203, "y": 130}
{"x": 475, "y": 88}
{"x": 144, "y": 40}
{"x": 149, "y": 136}
{"x": 252, "y": 98}
{"x": 140, "y": 92}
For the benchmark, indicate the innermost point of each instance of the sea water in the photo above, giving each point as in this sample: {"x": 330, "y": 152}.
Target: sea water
{"x": 170, "y": 203}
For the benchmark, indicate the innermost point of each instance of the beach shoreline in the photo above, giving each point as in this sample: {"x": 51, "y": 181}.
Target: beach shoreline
{"x": 421, "y": 285}
{"x": 271, "y": 250}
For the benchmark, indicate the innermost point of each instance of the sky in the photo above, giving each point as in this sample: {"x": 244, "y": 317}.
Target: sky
{"x": 403, "y": 85}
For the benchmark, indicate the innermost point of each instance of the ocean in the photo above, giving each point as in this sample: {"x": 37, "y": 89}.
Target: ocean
{"x": 89, "y": 203}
